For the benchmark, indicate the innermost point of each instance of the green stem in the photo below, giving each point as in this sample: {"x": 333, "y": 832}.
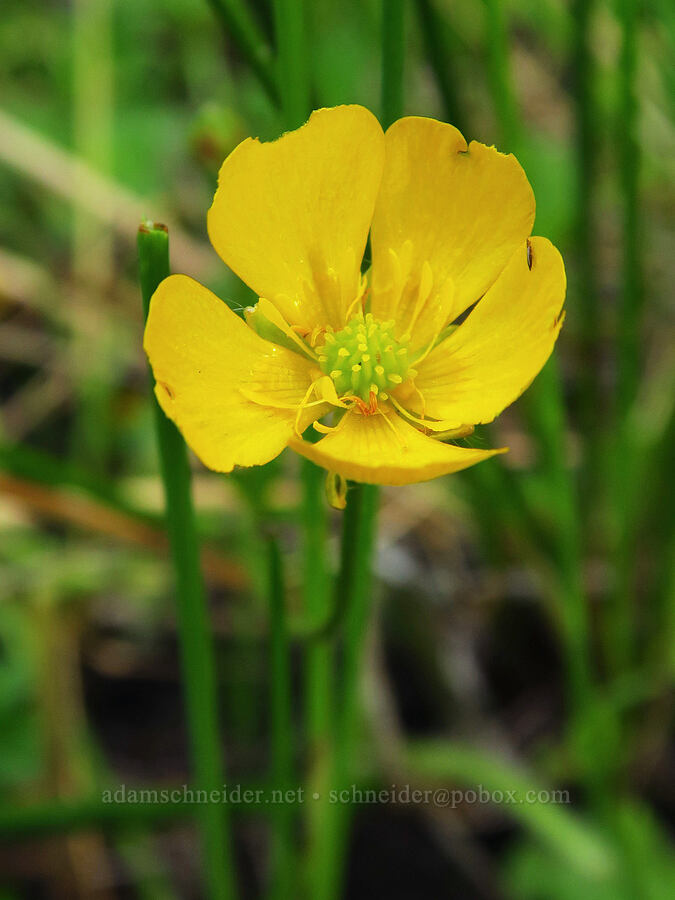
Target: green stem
{"x": 281, "y": 886}
{"x": 193, "y": 622}
{"x": 546, "y": 404}
{"x": 354, "y": 585}
{"x": 316, "y": 603}
{"x": 499, "y": 71}
{"x": 629, "y": 337}
{"x": 319, "y": 659}
{"x": 152, "y": 805}
{"x": 578, "y": 845}
{"x": 436, "y": 36}
{"x": 548, "y": 409}
{"x": 632, "y": 300}
{"x": 238, "y": 22}
{"x": 292, "y": 61}
{"x": 549, "y": 416}
{"x": 70, "y": 816}
{"x": 585, "y": 148}
{"x": 393, "y": 58}
{"x": 92, "y": 360}
{"x": 358, "y": 540}
{"x": 292, "y": 72}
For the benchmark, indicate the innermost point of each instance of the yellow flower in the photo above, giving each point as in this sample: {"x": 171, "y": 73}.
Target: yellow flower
{"x": 376, "y": 357}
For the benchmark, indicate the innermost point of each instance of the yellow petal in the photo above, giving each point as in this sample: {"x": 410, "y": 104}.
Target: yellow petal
{"x": 444, "y": 211}
{"x": 291, "y": 217}
{"x": 383, "y": 449}
{"x": 494, "y": 355}
{"x": 204, "y": 358}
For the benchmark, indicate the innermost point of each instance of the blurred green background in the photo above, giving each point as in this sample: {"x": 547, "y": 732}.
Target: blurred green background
{"x": 524, "y": 621}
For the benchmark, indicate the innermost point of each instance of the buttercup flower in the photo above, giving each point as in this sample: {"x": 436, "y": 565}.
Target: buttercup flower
{"x": 377, "y": 362}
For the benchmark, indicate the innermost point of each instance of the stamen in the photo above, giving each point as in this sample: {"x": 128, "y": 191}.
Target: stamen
{"x": 398, "y": 436}
{"x": 328, "y": 429}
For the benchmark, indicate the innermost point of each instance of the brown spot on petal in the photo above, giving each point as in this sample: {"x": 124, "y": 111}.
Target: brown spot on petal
{"x": 165, "y": 387}
{"x": 530, "y": 255}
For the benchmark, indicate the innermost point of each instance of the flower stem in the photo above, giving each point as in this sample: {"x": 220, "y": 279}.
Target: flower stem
{"x": 437, "y": 39}
{"x": 91, "y": 354}
{"x": 393, "y": 58}
{"x": 292, "y": 61}
{"x": 319, "y": 660}
{"x": 626, "y": 486}
{"x": 354, "y": 586}
{"x": 585, "y": 116}
{"x": 193, "y": 623}
{"x": 499, "y": 72}
{"x": 292, "y": 72}
{"x": 629, "y": 162}
{"x": 281, "y": 885}
{"x": 358, "y": 542}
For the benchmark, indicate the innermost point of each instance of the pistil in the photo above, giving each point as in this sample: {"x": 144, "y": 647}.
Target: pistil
{"x": 364, "y": 358}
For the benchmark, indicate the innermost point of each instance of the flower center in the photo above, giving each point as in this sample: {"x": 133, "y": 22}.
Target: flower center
{"x": 364, "y": 358}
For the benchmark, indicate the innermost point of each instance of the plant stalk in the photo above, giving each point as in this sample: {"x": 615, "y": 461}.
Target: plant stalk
{"x": 393, "y": 60}
{"x": 354, "y": 586}
{"x": 199, "y": 672}
{"x": 281, "y": 884}
{"x": 292, "y": 61}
